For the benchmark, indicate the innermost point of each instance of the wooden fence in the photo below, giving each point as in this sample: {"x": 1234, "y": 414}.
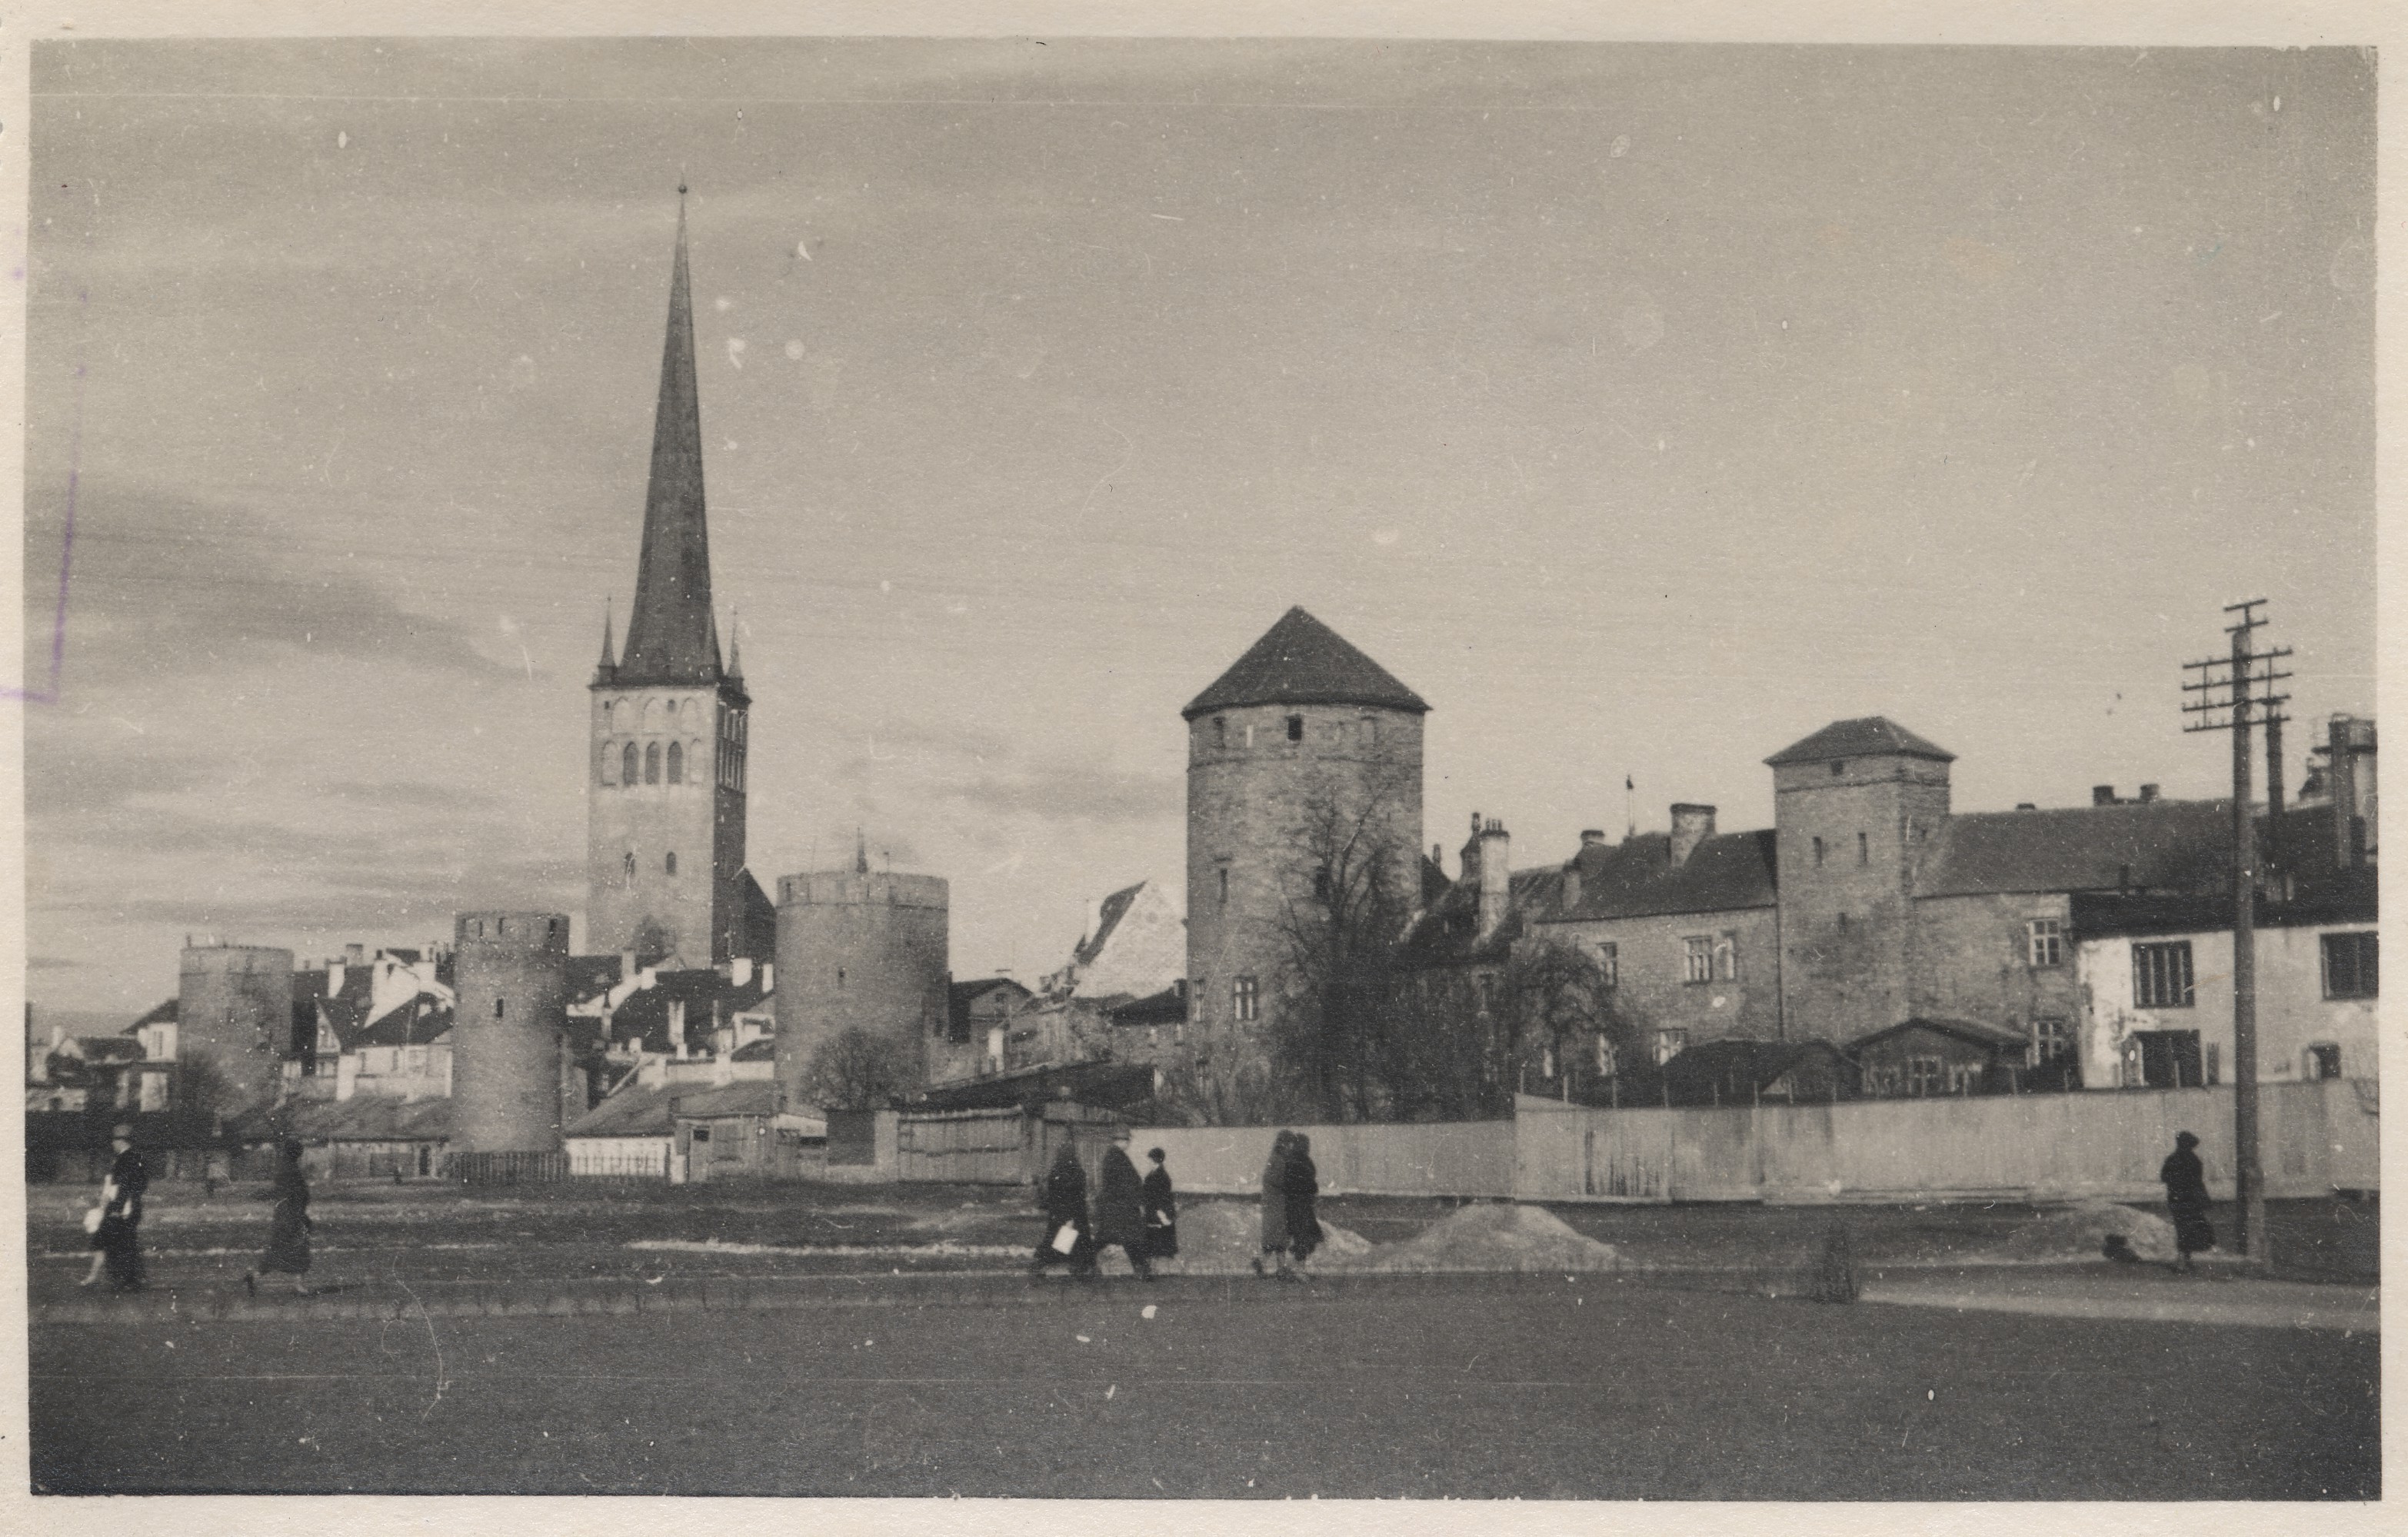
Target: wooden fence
{"x": 507, "y": 1167}
{"x": 2318, "y": 1137}
{"x": 964, "y": 1147}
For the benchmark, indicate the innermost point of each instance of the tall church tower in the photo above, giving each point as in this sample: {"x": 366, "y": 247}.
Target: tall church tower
{"x": 665, "y": 847}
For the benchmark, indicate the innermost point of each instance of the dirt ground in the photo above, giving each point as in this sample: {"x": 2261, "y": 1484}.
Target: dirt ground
{"x": 441, "y": 1232}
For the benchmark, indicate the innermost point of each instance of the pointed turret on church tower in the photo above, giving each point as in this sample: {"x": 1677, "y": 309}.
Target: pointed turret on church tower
{"x": 666, "y": 796}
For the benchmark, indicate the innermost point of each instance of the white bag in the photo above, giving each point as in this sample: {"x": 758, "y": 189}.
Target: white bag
{"x": 92, "y": 1220}
{"x": 1066, "y": 1240}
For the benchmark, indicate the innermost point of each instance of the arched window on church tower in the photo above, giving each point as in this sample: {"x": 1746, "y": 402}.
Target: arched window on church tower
{"x": 672, "y": 864}
{"x": 676, "y": 763}
{"x": 627, "y": 765}
{"x": 631, "y": 864}
{"x": 651, "y": 762}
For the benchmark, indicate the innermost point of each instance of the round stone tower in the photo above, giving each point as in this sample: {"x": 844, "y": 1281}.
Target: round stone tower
{"x": 233, "y": 1010}
{"x": 858, "y": 949}
{"x": 510, "y": 975}
{"x": 1304, "y": 766}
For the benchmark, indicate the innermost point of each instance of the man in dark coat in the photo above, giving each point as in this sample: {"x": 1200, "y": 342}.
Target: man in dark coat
{"x": 288, "y": 1232}
{"x": 1064, "y": 1201}
{"x": 1161, "y": 1210}
{"x": 1120, "y": 1206}
{"x": 119, "y": 1239}
{"x": 1303, "y": 1199}
{"x": 2186, "y": 1183}
{"x": 1275, "y": 1235}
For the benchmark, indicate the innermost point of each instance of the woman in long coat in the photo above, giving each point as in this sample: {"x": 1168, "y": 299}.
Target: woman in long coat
{"x": 1161, "y": 1210}
{"x": 1064, "y": 1201}
{"x": 1275, "y": 1203}
{"x": 2185, "y": 1184}
{"x": 288, "y": 1232}
{"x": 118, "y": 1240}
{"x": 1120, "y": 1207}
{"x": 1303, "y": 1199}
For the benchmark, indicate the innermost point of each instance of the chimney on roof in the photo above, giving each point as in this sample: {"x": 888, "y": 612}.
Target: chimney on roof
{"x": 1569, "y": 893}
{"x": 2351, "y": 770}
{"x": 2102, "y": 795}
{"x": 1471, "y": 854}
{"x": 2148, "y": 794}
{"x": 1592, "y": 836}
{"x": 355, "y": 955}
{"x": 1496, "y": 874}
{"x": 2026, "y": 805}
{"x": 1691, "y": 826}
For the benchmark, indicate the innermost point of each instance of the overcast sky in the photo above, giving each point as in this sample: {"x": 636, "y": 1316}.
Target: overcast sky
{"x": 1642, "y": 407}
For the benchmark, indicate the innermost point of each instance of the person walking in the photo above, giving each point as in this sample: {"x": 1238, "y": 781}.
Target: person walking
{"x": 1304, "y": 1234}
{"x": 2186, "y": 1183}
{"x": 117, "y": 1241}
{"x": 1064, "y": 1201}
{"x": 288, "y": 1232}
{"x": 1120, "y": 1207}
{"x": 1275, "y": 1205}
{"x": 1161, "y": 1210}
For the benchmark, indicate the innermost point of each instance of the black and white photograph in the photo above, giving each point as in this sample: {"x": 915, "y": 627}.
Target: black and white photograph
{"x": 1287, "y": 764}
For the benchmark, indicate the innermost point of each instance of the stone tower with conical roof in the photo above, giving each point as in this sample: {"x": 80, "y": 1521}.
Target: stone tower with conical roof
{"x": 664, "y": 845}
{"x": 1304, "y": 768}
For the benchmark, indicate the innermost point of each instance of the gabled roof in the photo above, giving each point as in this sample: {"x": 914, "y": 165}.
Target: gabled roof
{"x": 162, "y": 1013}
{"x": 1114, "y": 906}
{"x": 1448, "y": 934}
{"x": 763, "y": 1051}
{"x": 1301, "y": 661}
{"x": 99, "y": 1049}
{"x": 1739, "y": 1062}
{"x": 1869, "y": 737}
{"x": 1973, "y": 1032}
{"x": 1637, "y": 878}
{"x": 417, "y": 1022}
{"x": 642, "y": 1110}
{"x": 591, "y": 974}
{"x": 2143, "y": 845}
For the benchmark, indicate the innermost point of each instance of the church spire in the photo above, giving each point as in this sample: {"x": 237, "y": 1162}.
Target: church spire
{"x": 669, "y": 630}
{"x": 736, "y": 647}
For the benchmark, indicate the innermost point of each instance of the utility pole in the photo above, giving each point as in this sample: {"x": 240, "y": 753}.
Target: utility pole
{"x": 2231, "y": 686}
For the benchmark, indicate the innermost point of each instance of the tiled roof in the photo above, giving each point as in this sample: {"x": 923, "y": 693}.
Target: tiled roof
{"x": 1637, "y": 878}
{"x": 2345, "y": 898}
{"x": 162, "y": 1013}
{"x": 364, "y": 1118}
{"x": 744, "y": 1097}
{"x": 643, "y": 1110}
{"x": 1870, "y": 736}
{"x": 1301, "y": 661}
{"x": 1738, "y": 1062}
{"x": 763, "y": 1051}
{"x": 2152, "y": 846}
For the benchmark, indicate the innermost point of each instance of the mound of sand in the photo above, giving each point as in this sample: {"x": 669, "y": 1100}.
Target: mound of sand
{"x": 1492, "y": 1236}
{"x": 2079, "y": 1231}
{"x": 1223, "y": 1237}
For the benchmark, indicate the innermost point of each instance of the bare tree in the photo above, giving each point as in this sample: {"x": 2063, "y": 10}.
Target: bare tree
{"x": 856, "y": 1070}
{"x": 1350, "y": 894}
{"x": 1554, "y": 1006}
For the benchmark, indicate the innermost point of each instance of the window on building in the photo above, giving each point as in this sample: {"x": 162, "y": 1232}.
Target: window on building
{"x": 2162, "y": 977}
{"x": 1923, "y": 1076}
{"x": 630, "y": 862}
{"x": 1607, "y": 1060}
{"x": 1370, "y": 731}
{"x": 1726, "y": 956}
{"x": 2051, "y": 1040}
{"x": 501, "y": 1008}
{"x": 651, "y": 762}
{"x": 1818, "y": 853}
{"x": 1697, "y": 959}
{"x": 1250, "y": 736}
{"x": 1195, "y": 996}
{"x": 2166, "y": 1058}
{"x": 1964, "y": 1077}
{"x": 1220, "y": 731}
{"x": 627, "y": 765}
{"x": 2349, "y": 965}
{"x": 1245, "y": 999}
{"x": 2323, "y": 1061}
{"x": 670, "y": 863}
{"x": 1881, "y": 1082}
{"x": 1864, "y": 850}
{"x": 676, "y": 763}
{"x": 1839, "y": 766}
{"x": 1670, "y": 1044}
{"x": 1608, "y": 964}
{"x": 2044, "y": 942}
{"x": 1547, "y": 1061}
{"x": 1296, "y": 728}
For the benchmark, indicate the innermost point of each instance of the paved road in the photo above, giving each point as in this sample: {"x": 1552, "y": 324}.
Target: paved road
{"x": 1597, "y": 1388}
